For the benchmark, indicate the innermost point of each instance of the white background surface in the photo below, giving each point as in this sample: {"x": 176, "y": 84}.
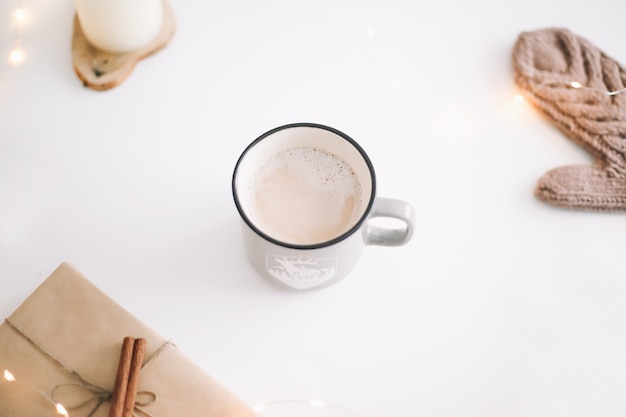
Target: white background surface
{"x": 500, "y": 305}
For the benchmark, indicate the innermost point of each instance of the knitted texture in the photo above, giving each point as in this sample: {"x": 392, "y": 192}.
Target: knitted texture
{"x": 545, "y": 63}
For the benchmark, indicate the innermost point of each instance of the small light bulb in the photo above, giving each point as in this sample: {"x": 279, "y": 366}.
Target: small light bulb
{"x": 16, "y": 56}
{"x": 317, "y": 403}
{"x": 576, "y": 84}
{"x": 519, "y": 99}
{"x": 19, "y": 15}
{"x": 61, "y": 410}
{"x": 8, "y": 375}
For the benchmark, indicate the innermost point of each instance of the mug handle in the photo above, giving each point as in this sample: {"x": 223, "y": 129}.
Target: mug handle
{"x": 383, "y": 236}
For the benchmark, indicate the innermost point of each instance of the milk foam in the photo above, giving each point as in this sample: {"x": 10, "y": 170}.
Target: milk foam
{"x": 305, "y": 196}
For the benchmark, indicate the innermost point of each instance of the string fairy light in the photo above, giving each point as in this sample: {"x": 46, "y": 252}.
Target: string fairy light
{"x": 8, "y": 376}
{"x": 573, "y": 84}
{"x": 17, "y": 53}
{"x": 60, "y": 409}
{"x": 312, "y": 404}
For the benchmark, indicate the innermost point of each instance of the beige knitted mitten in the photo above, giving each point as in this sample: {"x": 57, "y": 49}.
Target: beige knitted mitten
{"x": 548, "y": 64}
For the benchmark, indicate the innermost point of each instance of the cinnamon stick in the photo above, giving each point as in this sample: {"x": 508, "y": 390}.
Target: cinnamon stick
{"x": 133, "y": 377}
{"x": 121, "y": 379}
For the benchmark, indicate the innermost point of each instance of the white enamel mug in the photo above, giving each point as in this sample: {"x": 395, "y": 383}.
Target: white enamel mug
{"x": 316, "y": 264}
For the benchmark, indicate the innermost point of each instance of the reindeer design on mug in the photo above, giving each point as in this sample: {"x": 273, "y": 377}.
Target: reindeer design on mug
{"x": 301, "y": 271}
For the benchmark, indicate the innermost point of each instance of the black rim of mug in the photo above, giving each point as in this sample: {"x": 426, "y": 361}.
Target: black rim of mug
{"x": 324, "y": 244}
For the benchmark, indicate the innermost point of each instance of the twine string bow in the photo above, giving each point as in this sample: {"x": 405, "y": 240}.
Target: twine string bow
{"x": 66, "y": 393}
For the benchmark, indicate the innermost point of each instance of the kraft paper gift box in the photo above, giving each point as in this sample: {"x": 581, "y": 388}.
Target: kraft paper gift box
{"x": 63, "y": 345}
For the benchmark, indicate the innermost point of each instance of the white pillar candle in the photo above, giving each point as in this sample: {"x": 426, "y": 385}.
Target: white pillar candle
{"x": 120, "y": 26}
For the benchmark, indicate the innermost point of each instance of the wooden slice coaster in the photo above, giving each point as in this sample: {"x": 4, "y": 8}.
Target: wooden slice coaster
{"x": 100, "y": 70}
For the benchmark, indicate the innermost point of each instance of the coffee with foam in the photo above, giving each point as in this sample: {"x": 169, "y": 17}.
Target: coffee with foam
{"x": 305, "y": 196}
